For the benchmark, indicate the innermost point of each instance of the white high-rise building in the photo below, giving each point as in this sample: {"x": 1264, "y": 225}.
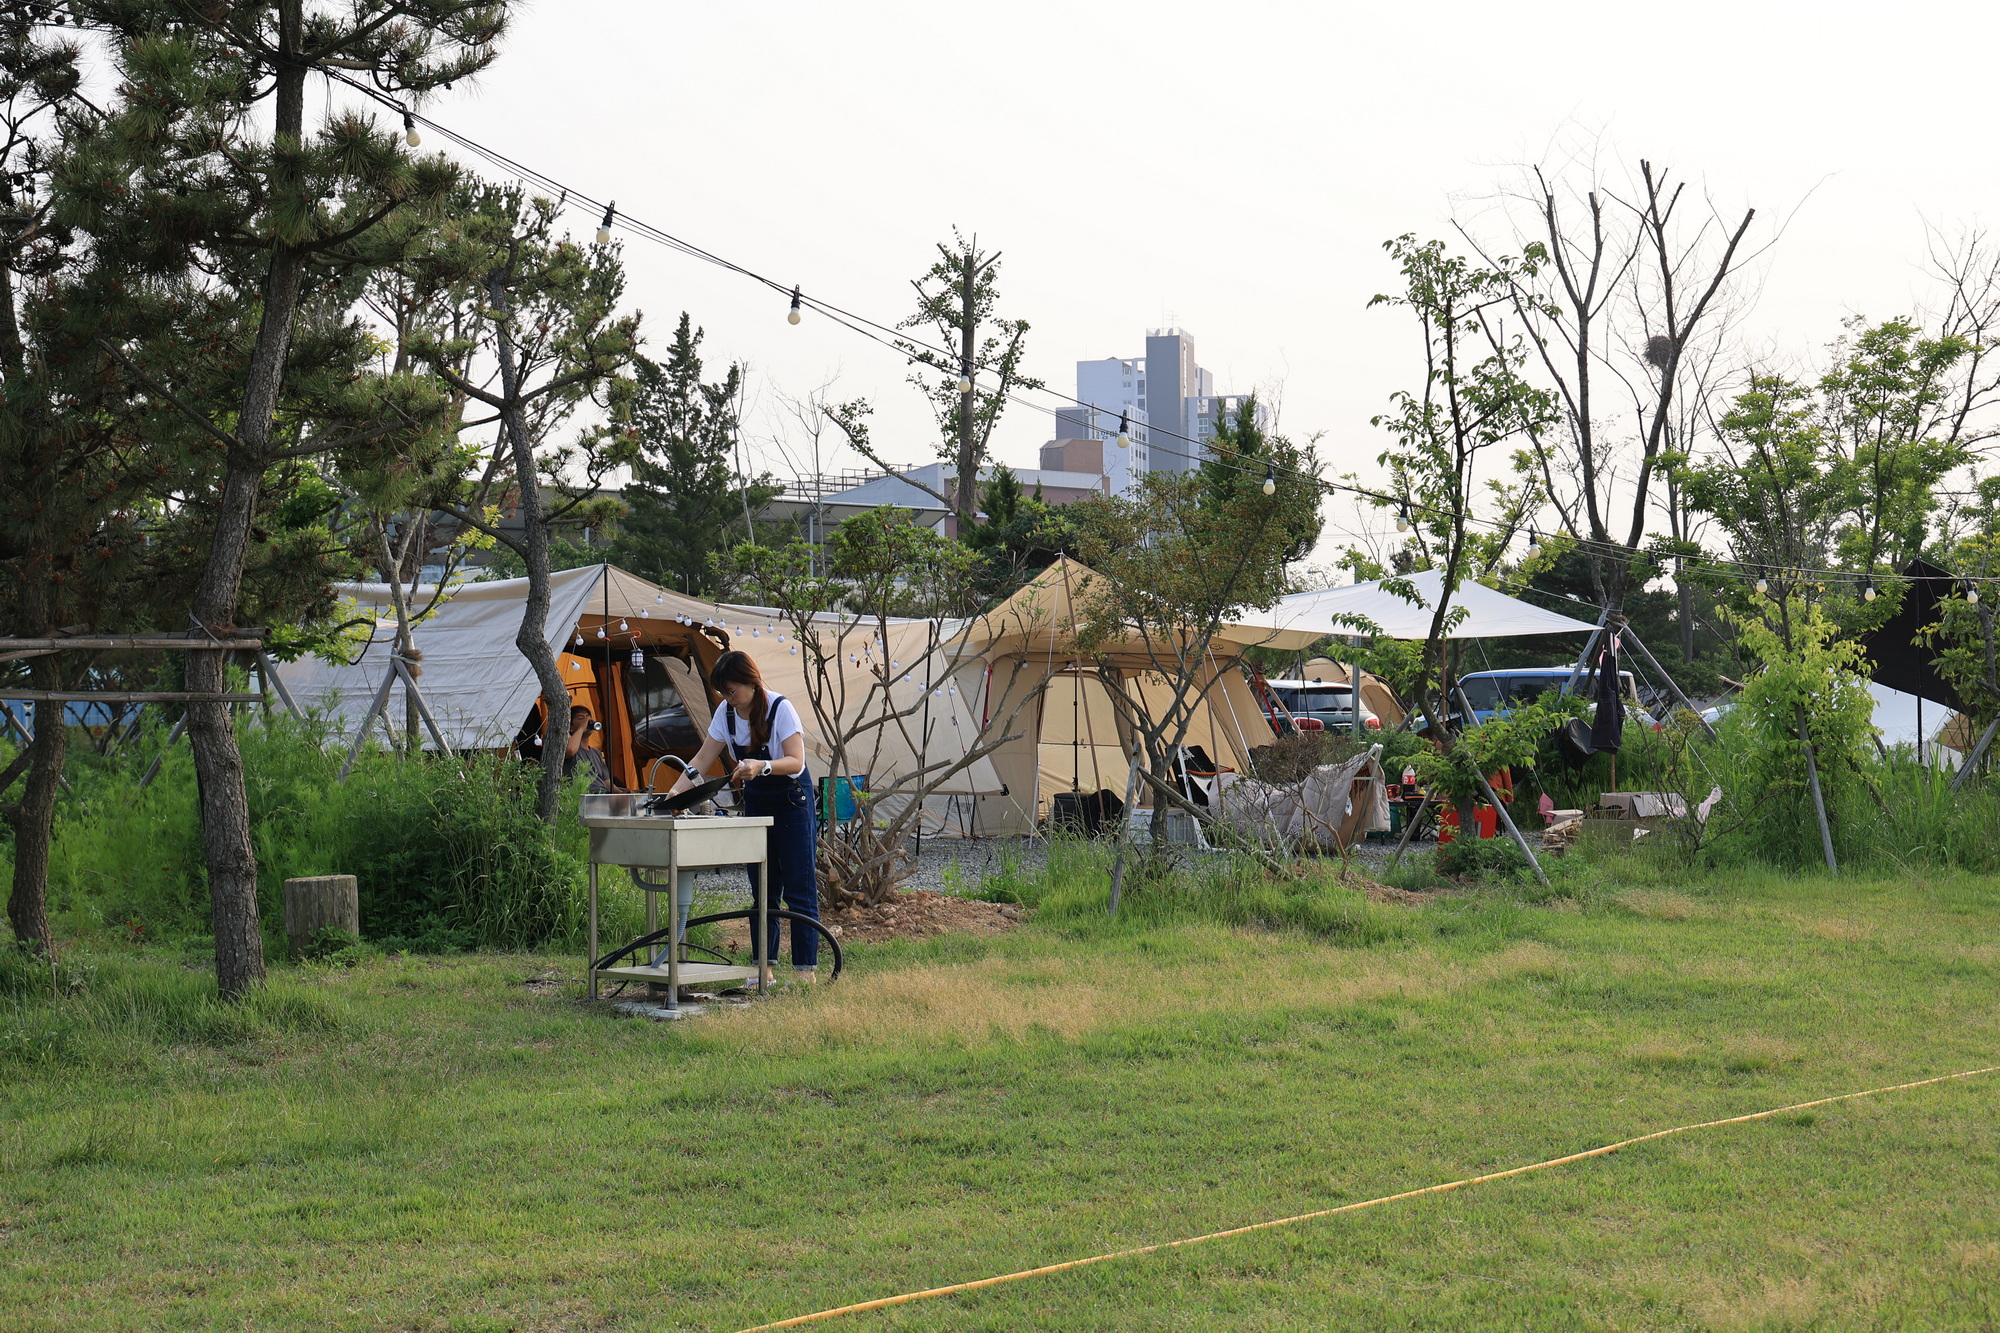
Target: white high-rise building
{"x": 1168, "y": 401}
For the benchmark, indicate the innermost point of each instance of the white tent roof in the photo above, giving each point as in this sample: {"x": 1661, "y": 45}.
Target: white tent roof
{"x": 1489, "y": 614}
{"x": 475, "y": 681}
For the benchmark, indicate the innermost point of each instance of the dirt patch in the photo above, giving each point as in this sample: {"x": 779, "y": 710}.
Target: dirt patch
{"x": 1383, "y": 893}
{"x": 916, "y": 915}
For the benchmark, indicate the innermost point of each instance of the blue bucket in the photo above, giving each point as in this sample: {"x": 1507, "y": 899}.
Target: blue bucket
{"x": 843, "y": 789}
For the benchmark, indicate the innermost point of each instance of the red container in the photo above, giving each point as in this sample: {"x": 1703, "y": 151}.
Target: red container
{"x": 1484, "y": 817}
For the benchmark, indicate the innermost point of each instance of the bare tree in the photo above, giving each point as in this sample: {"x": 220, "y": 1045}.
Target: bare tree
{"x": 1622, "y": 292}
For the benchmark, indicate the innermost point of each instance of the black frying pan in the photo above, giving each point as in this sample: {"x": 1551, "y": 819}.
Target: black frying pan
{"x": 693, "y": 796}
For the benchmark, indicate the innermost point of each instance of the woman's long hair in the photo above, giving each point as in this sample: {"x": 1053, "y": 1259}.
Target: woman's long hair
{"x": 739, "y": 668}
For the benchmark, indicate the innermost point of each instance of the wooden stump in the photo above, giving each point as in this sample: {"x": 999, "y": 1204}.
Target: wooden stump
{"x": 319, "y": 901}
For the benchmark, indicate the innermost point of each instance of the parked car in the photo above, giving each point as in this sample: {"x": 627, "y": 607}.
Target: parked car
{"x": 1491, "y": 692}
{"x": 1318, "y": 706}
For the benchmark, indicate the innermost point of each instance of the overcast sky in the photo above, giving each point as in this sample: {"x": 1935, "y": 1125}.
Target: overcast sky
{"x": 1229, "y": 169}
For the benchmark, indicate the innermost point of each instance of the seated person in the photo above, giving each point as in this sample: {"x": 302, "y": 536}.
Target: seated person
{"x": 575, "y": 749}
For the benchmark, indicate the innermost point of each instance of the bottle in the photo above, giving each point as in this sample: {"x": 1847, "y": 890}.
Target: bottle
{"x": 1411, "y": 791}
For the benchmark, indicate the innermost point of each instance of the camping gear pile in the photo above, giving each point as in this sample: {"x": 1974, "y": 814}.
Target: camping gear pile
{"x": 1331, "y": 810}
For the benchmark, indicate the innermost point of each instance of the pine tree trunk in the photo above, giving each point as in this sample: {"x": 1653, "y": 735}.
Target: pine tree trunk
{"x": 34, "y": 819}
{"x": 225, "y": 803}
{"x": 533, "y": 636}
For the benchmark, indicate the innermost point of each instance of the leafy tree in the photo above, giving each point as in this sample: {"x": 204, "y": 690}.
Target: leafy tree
{"x": 1473, "y": 400}
{"x": 869, "y": 681}
{"x": 684, "y": 496}
{"x": 1177, "y": 561}
{"x": 559, "y": 344}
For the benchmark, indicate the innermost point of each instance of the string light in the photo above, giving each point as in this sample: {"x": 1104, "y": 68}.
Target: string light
{"x": 1124, "y": 430}
{"x": 410, "y": 135}
{"x": 1403, "y": 517}
{"x": 1270, "y": 480}
{"x": 1763, "y": 586}
{"x": 965, "y": 380}
{"x": 792, "y": 316}
{"x": 1534, "y": 544}
{"x": 1868, "y": 593}
{"x": 604, "y": 227}
{"x": 1971, "y": 593}
{"x": 856, "y": 322}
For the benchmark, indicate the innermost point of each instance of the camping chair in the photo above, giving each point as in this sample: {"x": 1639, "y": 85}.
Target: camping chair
{"x": 1196, "y": 774}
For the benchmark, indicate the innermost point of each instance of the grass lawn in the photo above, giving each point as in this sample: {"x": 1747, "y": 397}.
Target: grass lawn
{"x": 422, "y": 1143}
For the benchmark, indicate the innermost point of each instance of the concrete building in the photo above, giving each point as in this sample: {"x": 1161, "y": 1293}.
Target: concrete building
{"x": 1166, "y": 395}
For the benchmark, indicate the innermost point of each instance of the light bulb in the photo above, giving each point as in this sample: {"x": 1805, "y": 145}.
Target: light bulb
{"x": 579, "y": 640}
{"x": 1270, "y": 483}
{"x": 604, "y": 227}
{"x": 1971, "y": 594}
{"x": 410, "y": 135}
{"x": 600, "y": 632}
{"x": 792, "y": 315}
{"x": 1403, "y": 522}
{"x": 644, "y": 614}
{"x": 1123, "y": 441}
{"x": 1868, "y": 593}
{"x": 1763, "y": 586}
{"x": 964, "y": 384}
{"x": 794, "y": 650}
{"x": 625, "y": 626}
{"x": 754, "y": 631}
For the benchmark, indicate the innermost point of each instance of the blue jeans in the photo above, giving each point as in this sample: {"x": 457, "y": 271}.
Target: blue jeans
{"x": 791, "y": 850}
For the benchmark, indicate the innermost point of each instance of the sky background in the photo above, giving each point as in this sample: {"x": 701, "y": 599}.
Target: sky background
{"x": 1229, "y": 170}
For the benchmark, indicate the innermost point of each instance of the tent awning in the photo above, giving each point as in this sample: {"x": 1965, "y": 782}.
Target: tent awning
{"x": 1489, "y": 614}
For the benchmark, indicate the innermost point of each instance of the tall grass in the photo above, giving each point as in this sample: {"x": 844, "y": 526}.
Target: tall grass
{"x": 447, "y": 852}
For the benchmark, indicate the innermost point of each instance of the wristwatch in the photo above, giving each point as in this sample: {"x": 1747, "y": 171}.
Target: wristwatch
{"x": 767, "y": 770}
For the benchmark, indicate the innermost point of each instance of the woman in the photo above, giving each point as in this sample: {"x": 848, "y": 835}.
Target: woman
{"x": 767, "y": 745}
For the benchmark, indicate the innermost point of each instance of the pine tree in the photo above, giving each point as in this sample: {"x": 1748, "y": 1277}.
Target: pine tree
{"x": 684, "y": 497}
{"x": 191, "y": 204}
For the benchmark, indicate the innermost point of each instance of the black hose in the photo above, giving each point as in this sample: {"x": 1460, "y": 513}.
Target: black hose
{"x": 797, "y": 919}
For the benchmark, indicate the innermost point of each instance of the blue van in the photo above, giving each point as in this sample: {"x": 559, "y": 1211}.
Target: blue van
{"x": 1491, "y": 692}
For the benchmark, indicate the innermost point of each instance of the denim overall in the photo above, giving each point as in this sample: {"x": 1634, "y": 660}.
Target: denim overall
{"x": 793, "y": 841}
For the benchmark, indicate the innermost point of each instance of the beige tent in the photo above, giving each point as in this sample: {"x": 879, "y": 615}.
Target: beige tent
{"x": 940, "y": 722}
{"x": 1376, "y": 693}
{"x": 1036, "y": 686}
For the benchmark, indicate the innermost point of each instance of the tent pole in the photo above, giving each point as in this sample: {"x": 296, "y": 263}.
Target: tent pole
{"x": 1409, "y": 830}
{"x": 1500, "y": 809}
{"x": 1978, "y": 753}
{"x": 1576, "y": 672}
{"x": 361, "y": 733}
{"x": 1819, "y": 803}
{"x": 1508, "y": 821}
{"x": 1125, "y": 828}
{"x": 271, "y": 680}
{"x": 153, "y": 769}
{"x": 423, "y": 709}
{"x": 1651, "y": 661}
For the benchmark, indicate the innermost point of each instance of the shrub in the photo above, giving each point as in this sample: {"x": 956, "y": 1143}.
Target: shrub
{"x": 447, "y": 852}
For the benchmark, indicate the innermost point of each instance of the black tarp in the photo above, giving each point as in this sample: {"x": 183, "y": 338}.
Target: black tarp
{"x": 1901, "y": 662}
{"x": 1607, "y": 728}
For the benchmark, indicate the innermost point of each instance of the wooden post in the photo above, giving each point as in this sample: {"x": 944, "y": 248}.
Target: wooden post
{"x": 317, "y": 902}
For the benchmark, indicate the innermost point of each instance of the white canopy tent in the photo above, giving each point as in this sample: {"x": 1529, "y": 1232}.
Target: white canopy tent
{"x": 1489, "y": 614}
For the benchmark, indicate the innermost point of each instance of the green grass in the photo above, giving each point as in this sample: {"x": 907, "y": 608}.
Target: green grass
{"x": 431, "y": 1144}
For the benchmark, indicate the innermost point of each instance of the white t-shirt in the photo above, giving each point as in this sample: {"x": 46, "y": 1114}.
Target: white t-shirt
{"x": 784, "y": 726}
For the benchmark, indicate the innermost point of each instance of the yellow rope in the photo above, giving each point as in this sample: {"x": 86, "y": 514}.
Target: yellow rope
{"x": 957, "y": 1287}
